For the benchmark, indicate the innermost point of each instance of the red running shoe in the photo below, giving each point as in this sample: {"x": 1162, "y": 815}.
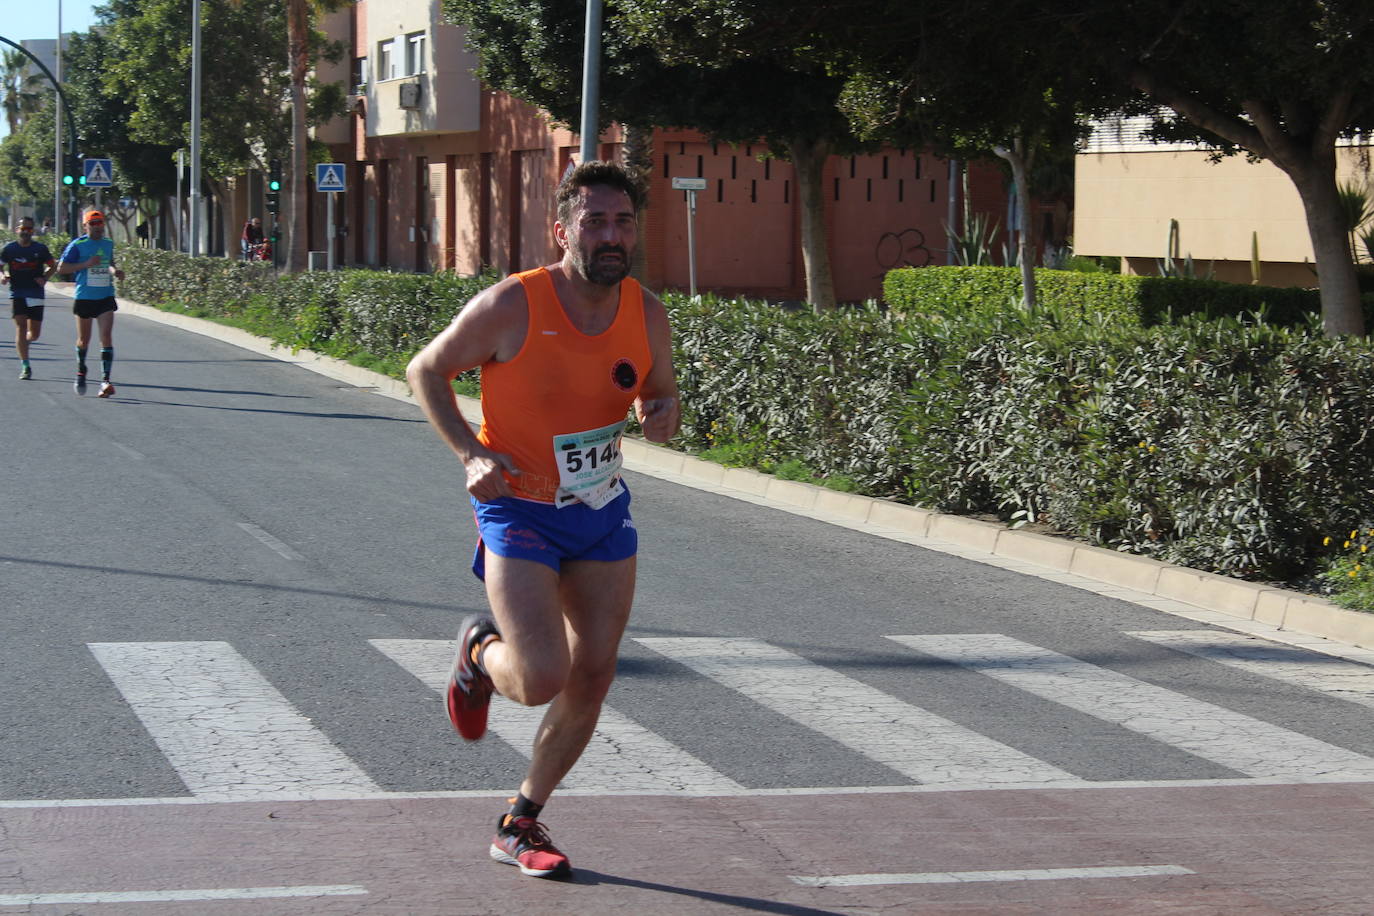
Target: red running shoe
{"x": 469, "y": 688}
{"x": 524, "y": 844}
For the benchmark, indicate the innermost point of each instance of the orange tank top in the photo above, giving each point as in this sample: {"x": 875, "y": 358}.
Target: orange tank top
{"x": 557, "y": 408}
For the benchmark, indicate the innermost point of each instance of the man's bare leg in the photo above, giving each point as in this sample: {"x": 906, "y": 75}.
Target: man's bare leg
{"x": 560, "y": 636}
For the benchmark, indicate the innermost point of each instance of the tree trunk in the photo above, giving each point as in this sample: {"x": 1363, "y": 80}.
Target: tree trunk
{"x": 1340, "y": 286}
{"x": 637, "y": 155}
{"x": 297, "y": 38}
{"x": 808, "y": 159}
{"x": 1019, "y": 159}
{"x": 229, "y": 232}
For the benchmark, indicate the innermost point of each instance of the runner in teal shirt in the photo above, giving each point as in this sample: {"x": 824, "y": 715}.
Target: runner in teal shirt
{"x": 90, "y": 260}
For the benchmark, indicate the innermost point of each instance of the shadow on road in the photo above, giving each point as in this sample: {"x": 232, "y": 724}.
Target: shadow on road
{"x": 583, "y": 876}
{"x": 389, "y": 600}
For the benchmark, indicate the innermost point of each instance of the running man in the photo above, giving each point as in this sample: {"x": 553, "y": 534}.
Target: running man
{"x": 91, "y": 258}
{"x": 565, "y": 350}
{"x": 30, "y": 264}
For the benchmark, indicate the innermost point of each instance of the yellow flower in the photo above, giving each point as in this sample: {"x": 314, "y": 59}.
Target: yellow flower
{"x": 1346, "y": 545}
{"x": 1326, "y": 542}
{"x": 1142, "y": 444}
{"x": 1355, "y": 533}
{"x": 1364, "y": 548}
{"x": 1351, "y": 574}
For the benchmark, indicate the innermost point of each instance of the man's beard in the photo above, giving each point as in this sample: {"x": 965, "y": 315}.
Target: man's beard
{"x": 598, "y": 272}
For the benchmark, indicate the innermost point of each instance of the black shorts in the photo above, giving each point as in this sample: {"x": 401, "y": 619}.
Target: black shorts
{"x": 93, "y": 308}
{"x": 22, "y": 309}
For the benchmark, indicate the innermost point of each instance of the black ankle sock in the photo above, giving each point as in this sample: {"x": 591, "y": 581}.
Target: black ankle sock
{"x": 523, "y": 807}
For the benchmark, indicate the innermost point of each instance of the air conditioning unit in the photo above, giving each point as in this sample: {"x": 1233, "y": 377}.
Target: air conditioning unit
{"x": 410, "y": 95}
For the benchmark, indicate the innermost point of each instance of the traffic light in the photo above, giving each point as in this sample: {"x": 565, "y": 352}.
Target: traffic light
{"x": 71, "y": 171}
{"x": 274, "y": 186}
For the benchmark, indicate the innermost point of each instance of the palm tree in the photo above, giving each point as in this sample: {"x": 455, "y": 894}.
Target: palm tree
{"x": 300, "y": 18}
{"x": 20, "y": 85}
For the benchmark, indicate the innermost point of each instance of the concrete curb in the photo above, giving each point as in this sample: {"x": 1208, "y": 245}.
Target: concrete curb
{"x": 1272, "y": 608}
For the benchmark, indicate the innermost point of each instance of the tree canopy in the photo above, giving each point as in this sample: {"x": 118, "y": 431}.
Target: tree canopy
{"x": 534, "y": 51}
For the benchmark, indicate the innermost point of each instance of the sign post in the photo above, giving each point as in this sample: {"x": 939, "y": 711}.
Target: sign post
{"x": 329, "y": 179}
{"x": 691, "y": 186}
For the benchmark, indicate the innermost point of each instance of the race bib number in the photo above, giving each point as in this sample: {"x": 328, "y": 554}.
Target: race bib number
{"x": 589, "y": 466}
{"x": 98, "y": 276}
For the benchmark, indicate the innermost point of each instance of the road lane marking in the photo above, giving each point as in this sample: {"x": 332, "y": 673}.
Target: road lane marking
{"x": 1234, "y": 740}
{"x": 228, "y": 893}
{"x": 500, "y": 792}
{"x": 622, "y": 756}
{"x": 131, "y": 452}
{"x": 1304, "y": 668}
{"x": 279, "y": 546}
{"x": 229, "y": 734}
{"x": 918, "y": 744}
{"x": 968, "y": 877}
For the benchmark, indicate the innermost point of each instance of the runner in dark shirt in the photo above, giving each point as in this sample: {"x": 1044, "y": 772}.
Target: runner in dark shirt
{"x": 29, "y": 266}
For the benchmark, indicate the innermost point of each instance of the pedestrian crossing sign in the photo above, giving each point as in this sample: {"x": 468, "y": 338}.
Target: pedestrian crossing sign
{"x": 329, "y": 176}
{"x": 99, "y": 173}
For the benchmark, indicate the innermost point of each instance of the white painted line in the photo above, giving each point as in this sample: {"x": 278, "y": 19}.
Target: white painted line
{"x": 623, "y": 756}
{"x": 1020, "y": 874}
{"x": 791, "y": 792}
{"x": 279, "y": 546}
{"x": 1237, "y": 741}
{"x": 918, "y": 744}
{"x": 229, "y": 893}
{"x": 132, "y": 453}
{"x": 1305, "y": 668}
{"x": 228, "y": 732}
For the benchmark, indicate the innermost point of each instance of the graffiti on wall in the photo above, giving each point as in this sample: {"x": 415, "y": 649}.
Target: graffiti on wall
{"x": 906, "y": 248}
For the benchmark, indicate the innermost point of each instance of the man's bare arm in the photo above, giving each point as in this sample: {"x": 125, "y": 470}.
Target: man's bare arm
{"x": 657, "y": 405}
{"x": 485, "y": 330}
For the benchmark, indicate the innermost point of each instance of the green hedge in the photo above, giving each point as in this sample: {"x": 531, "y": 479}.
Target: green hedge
{"x": 1134, "y": 300}
{"x": 1222, "y": 445}
{"x": 373, "y": 317}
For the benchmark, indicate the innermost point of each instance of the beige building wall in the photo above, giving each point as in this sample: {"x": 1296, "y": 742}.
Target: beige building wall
{"x": 449, "y": 98}
{"x": 1123, "y": 202}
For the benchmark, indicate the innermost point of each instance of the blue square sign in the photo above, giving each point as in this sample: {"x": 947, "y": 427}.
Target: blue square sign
{"x": 329, "y": 176}
{"x": 99, "y": 173}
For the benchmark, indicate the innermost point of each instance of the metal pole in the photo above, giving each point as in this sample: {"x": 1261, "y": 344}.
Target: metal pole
{"x": 57, "y": 157}
{"x": 692, "y": 242}
{"x": 591, "y": 81}
{"x": 178, "y": 215}
{"x": 195, "y": 128}
{"x": 329, "y": 230}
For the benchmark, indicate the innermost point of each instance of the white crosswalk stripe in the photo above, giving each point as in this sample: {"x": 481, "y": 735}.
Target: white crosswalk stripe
{"x": 906, "y": 738}
{"x": 622, "y": 757}
{"x": 229, "y": 734}
{"x": 1231, "y": 739}
{"x": 1337, "y": 677}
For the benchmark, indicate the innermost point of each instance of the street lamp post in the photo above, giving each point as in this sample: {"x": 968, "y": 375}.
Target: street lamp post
{"x": 591, "y": 80}
{"x": 194, "y": 190}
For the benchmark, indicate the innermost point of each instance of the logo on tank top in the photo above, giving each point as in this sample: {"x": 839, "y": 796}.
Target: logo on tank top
{"x": 625, "y": 375}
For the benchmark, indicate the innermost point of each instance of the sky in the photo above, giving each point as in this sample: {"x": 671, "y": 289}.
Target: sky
{"x": 21, "y": 20}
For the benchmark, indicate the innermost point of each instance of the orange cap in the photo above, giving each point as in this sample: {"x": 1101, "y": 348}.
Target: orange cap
{"x": 93, "y": 214}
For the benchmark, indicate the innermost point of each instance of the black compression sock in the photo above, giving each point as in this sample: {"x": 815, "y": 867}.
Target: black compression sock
{"x": 523, "y": 807}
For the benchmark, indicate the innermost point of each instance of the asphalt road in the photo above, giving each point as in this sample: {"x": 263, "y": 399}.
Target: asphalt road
{"x": 226, "y": 596}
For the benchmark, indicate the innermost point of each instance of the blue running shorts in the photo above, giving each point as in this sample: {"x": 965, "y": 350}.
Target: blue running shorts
{"x": 527, "y": 530}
